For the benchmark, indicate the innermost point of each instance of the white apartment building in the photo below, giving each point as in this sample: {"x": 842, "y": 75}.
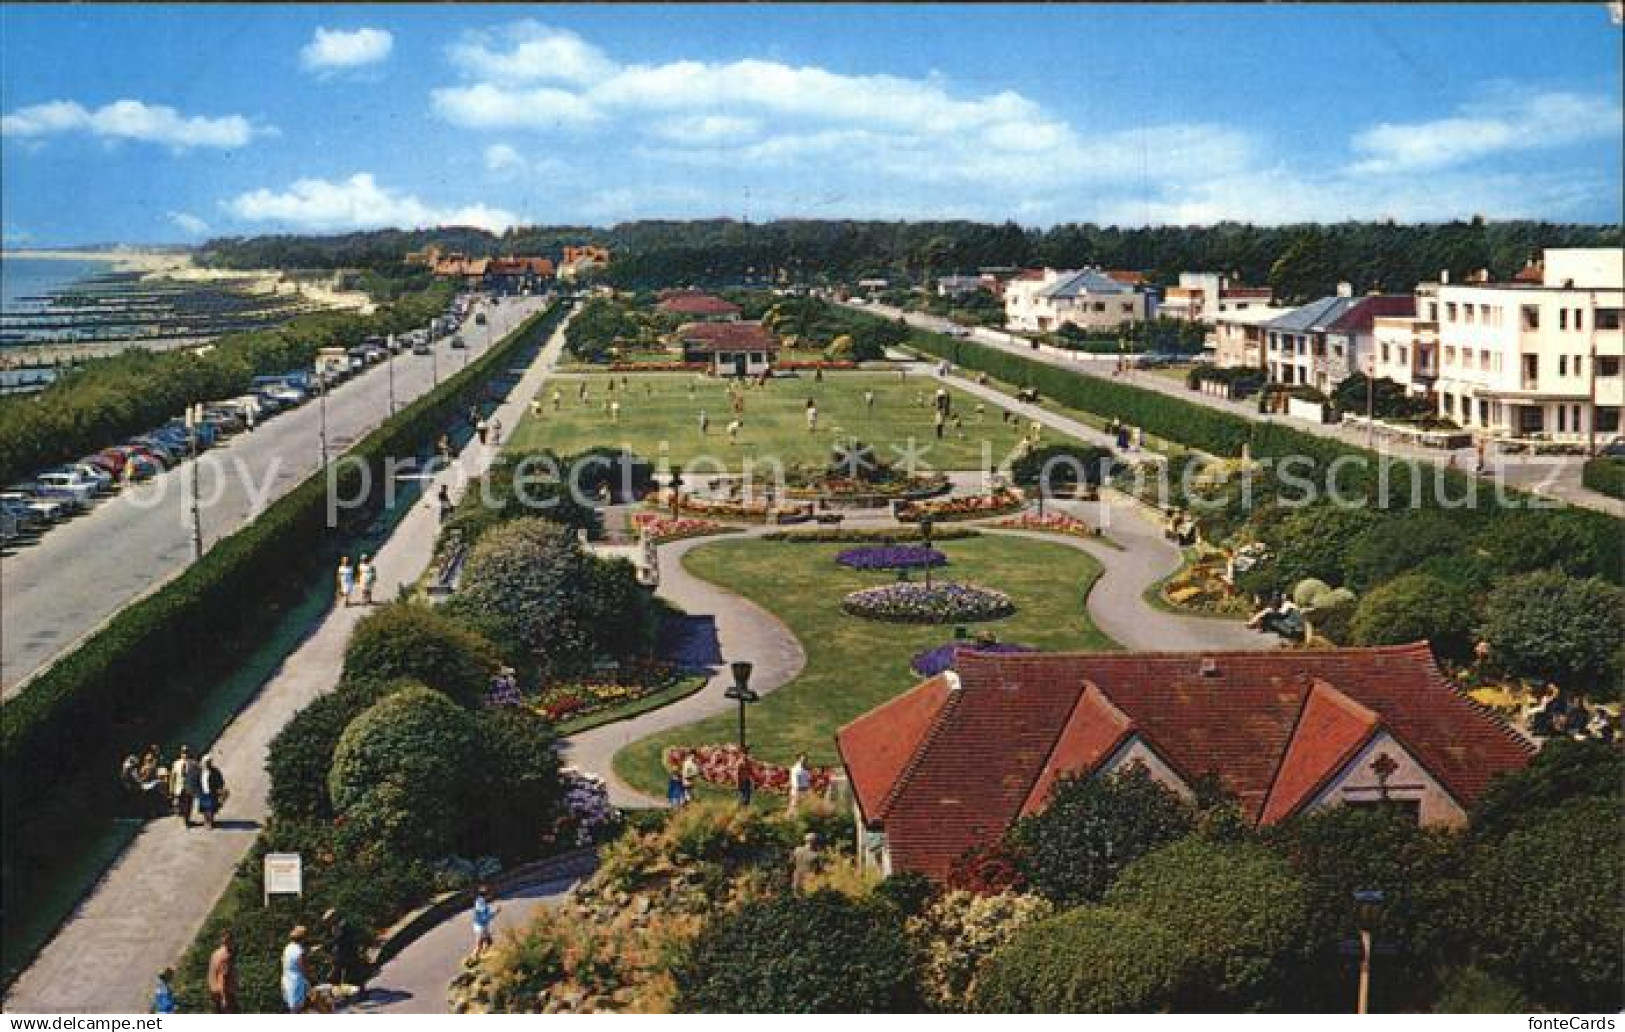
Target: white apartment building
{"x": 1530, "y": 360}
{"x": 1238, "y": 337}
{"x": 1044, "y": 301}
{"x": 1204, "y": 296}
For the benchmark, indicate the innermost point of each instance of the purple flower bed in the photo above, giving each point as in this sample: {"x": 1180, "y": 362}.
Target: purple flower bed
{"x": 940, "y": 603}
{"x": 891, "y": 557}
{"x": 932, "y": 662}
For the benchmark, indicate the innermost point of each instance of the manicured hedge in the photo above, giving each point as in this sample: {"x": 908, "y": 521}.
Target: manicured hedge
{"x": 158, "y": 660}
{"x": 1605, "y": 476}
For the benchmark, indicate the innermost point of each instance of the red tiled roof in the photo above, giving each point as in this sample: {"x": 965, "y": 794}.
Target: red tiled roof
{"x": 1359, "y": 315}
{"x": 727, "y": 336}
{"x": 698, "y": 304}
{"x": 1331, "y": 729}
{"x": 1270, "y": 726}
{"x": 1249, "y": 292}
{"x": 1125, "y": 276}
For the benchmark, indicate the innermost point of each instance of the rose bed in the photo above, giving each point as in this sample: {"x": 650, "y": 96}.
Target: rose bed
{"x": 891, "y": 557}
{"x": 939, "y": 603}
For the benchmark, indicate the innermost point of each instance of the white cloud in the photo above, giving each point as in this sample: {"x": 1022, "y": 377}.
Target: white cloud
{"x": 340, "y": 49}
{"x": 534, "y": 52}
{"x": 1506, "y": 123}
{"x": 487, "y": 106}
{"x": 189, "y": 224}
{"x": 132, "y": 120}
{"x": 358, "y": 203}
{"x": 506, "y": 164}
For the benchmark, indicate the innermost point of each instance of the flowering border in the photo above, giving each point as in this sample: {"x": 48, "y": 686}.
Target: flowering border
{"x": 719, "y": 765}
{"x": 1055, "y": 523}
{"x": 891, "y": 557}
{"x": 938, "y": 604}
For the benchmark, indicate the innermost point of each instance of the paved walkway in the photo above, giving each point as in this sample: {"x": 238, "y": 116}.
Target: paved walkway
{"x": 1553, "y": 475}
{"x": 150, "y": 904}
{"x": 744, "y": 630}
{"x": 416, "y": 980}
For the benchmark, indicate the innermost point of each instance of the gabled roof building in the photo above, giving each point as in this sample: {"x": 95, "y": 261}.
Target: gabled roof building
{"x": 950, "y": 765}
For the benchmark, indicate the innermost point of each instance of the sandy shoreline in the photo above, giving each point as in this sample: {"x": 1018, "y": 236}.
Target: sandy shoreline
{"x": 122, "y": 261}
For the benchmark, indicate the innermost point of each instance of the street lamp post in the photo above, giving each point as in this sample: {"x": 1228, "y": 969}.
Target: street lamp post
{"x": 740, "y": 691}
{"x": 390, "y": 362}
{"x": 321, "y": 392}
{"x": 194, "y": 416}
{"x": 1367, "y": 914}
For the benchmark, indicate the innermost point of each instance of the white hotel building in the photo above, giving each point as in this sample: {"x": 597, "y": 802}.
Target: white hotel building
{"x": 1530, "y": 359}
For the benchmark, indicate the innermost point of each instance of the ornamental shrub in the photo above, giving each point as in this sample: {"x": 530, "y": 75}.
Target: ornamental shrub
{"x": 1236, "y": 908}
{"x": 516, "y": 782}
{"x": 1092, "y": 960}
{"x": 958, "y": 933}
{"x": 1091, "y": 828}
{"x": 522, "y": 587}
{"x": 1553, "y": 627}
{"x": 1308, "y": 542}
{"x": 301, "y": 754}
{"x": 421, "y": 643}
{"x": 1548, "y": 539}
{"x": 1393, "y": 546}
{"x": 821, "y": 953}
{"x": 1062, "y": 465}
{"x": 1416, "y": 607}
{"x": 404, "y": 770}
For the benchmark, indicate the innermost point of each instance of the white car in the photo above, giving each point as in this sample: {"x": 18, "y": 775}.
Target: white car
{"x": 73, "y": 485}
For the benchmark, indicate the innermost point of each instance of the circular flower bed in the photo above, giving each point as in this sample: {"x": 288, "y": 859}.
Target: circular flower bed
{"x": 932, "y": 662}
{"x": 939, "y": 603}
{"x": 891, "y": 557}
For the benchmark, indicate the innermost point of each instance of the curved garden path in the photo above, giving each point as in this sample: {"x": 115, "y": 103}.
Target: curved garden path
{"x": 744, "y": 630}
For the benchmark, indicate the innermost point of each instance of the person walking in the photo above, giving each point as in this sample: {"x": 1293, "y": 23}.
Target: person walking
{"x": 211, "y": 790}
{"x": 869, "y": 400}
{"x": 249, "y": 416}
{"x": 163, "y": 994}
{"x": 733, "y": 431}
{"x": 496, "y": 431}
{"x": 482, "y": 429}
{"x": 745, "y": 777}
{"x": 614, "y": 412}
{"x": 346, "y": 581}
{"x": 800, "y": 781}
{"x": 674, "y": 789}
{"x": 484, "y": 915}
{"x": 558, "y": 399}
{"x": 223, "y": 975}
{"x": 812, "y": 417}
{"x": 443, "y": 448}
{"x": 296, "y": 972}
{"x": 691, "y": 777}
{"x": 443, "y": 499}
{"x": 804, "y": 860}
{"x": 182, "y": 782}
{"x": 581, "y": 392}
{"x": 344, "y": 951}
{"x": 705, "y": 423}
{"x": 366, "y": 576}
{"x": 937, "y": 420}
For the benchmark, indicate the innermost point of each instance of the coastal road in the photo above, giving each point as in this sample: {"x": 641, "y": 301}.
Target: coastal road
{"x": 1555, "y": 476}
{"x": 57, "y": 590}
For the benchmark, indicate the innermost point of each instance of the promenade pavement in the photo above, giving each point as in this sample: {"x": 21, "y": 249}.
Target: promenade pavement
{"x": 150, "y": 904}
{"x": 63, "y": 587}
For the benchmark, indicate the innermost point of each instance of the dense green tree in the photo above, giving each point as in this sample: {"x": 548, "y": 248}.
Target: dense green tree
{"x": 1416, "y": 607}
{"x": 1091, "y": 828}
{"x": 1563, "y": 770}
{"x": 1551, "y": 539}
{"x": 1395, "y": 545}
{"x": 1544, "y": 907}
{"x": 1091, "y": 960}
{"x": 1306, "y": 542}
{"x": 301, "y": 754}
{"x": 403, "y": 772}
{"x": 1238, "y": 910}
{"x": 820, "y": 953}
{"x": 1553, "y": 627}
{"x": 516, "y": 781}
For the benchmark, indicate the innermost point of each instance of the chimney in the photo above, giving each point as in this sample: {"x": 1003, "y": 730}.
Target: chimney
{"x": 1444, "y": 276}
{"x": 1210, "y": 667}
{"x": 1345, "y": 289}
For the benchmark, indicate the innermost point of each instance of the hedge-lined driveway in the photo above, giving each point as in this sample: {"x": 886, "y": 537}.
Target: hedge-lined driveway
{"x": 65, "y": 585}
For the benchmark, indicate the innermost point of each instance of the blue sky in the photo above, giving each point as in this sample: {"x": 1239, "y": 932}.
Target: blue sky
{"x": 148, "y": 124}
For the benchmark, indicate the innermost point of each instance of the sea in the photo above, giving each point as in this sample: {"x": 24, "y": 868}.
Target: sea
{"x": 35, "y": 277}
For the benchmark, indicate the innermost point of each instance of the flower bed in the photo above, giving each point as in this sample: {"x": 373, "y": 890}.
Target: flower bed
{"x": 911, "y": 488}
{"x": 891, "y": 557}
{"x": 661, "y": 529}
{"x": 1057, "y": 523}
{"x": 877, "y": 535}
{"x": 756, "y": 511}
{"x": 932, "y": 662}
{"x": 719, "y": 765}
{"x": 826, "y": 365}
{"x": 585, "y": 696}
{"x": 939, "y": 603}
{"x": 972, "y": 507}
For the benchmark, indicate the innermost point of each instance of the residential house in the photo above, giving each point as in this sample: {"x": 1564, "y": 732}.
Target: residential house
{"x": 1203, "y": 296}
{"x": 1327, "y": 341}
{"x": 960, "y": 286}
{"x": 1405, "y": 348}
{"x": 1534, "y": 359}
{"x": 948, "y": 766}
{"x": 730, "y": 348}
{"x": 1238, "y": 336}
{"x": 698, "y": 307}
{"x": 1044, "y": 301}
{"x": 582, "y": 260}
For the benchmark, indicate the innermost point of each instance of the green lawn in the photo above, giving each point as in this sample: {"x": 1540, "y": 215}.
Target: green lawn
{"x": 855, "y": 664}
{"x": 660, "y": 416}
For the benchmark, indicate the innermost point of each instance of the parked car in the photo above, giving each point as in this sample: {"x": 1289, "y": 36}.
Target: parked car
{"x": 422, "y": 347}
{"x": 100, "y": 477}
{"x": 287, "y": 394}
{"x": 45, "y": 510}
{"x": 80, "y": 487}
{"x": 140, "y": 452}
{"x": 224, "y": 420}
{"x": 168, "y": 448}
{"x": 25, "y": 519}
{"x": 10, "y": 527}
{"x": 1614, "y": 449}
{"x": 458, "y": 343}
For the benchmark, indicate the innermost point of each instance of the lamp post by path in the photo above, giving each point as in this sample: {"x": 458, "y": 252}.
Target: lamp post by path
{"x": 740, "y": 691}
{"x": 390, "y": 362}
{"x": 321, "y": 391}
{"x": 194, "y": 416}
{"x": 1367, "y": 914}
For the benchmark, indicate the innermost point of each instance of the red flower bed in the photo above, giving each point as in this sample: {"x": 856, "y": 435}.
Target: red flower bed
{"x": 661, "y": 529}
{"x": 969, "y": 508}
{"x": 658, "y": 367}
{"x": 719, "y": 765}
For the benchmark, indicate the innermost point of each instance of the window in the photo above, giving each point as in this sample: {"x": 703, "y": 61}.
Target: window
{"x": 1607, "y": 365}
{"x": 1607, "y": 319}
{"x": 1579, "y": 319}
{"x": 1562, "y": 318}
{"x": 1385, "y": 356}
{"x": 1607, "y": 419}
{"x": 1449, "y": 311}
{"x": 1402, "y": 358}
{"x": 1562, "y": 365}
{"x": 1449, "y": 355}
{"x": 1100, "y": 306}
{"x": 1484, "y": 361}
{"x": 1531, "y": 317}
{"x": 1467, "y": 314}
{"x": 1433, "y": 311}
{"x": 1563, "y": 420}
{"x": 1579, "y": 365}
